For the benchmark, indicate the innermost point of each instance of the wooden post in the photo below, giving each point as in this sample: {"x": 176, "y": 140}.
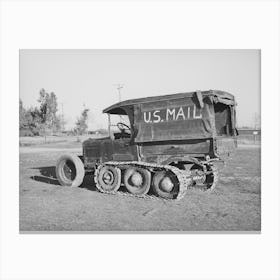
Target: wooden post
{"x": 255, "y": 133}
{"x": 109, "y": 125}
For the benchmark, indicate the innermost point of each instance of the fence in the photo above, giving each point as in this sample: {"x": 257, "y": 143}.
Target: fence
{"x": 249, "y": 135}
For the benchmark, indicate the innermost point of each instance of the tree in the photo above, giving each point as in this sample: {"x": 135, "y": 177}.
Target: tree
{"x": 48, "y": 110}
{"x": 22, "y": 113}
{"x": 29, "y": 120}
{"x": 60, "y": 123}
{"x": 81, "y": 123}
{"x": 38, "y": 120}
{"x": 34, "y": 121}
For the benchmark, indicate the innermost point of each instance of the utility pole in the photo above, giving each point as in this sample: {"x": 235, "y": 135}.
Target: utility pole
{"x": 84, "y": 106}
{"x": 119, "y": 87}
{"x": 62, "y": 117}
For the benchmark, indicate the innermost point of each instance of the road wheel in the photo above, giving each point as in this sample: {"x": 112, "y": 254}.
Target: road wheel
{"x": 165, "y": 184}
{"x": 137, "y": 180}
{"x": 198, "y": 175}
{"x": 70, "y": 170}
{"x": 207, "y": 182}
{"x": 108, "y": 178}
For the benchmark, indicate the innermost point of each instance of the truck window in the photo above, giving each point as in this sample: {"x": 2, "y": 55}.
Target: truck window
{"x": 223, "y": 119}
{"x": 115, "y": 119}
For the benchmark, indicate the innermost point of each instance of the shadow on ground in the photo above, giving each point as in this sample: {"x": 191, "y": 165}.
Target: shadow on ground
{"x": 48, "y": 176}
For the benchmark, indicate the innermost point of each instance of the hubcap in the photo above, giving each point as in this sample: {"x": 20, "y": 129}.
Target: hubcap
{"x": 199, "y": 177}
{"x": 136, "y": 179}
{"x": 108, "y": 178}
{"x": 166, "y": 184}
{"x": 69, "y": 170}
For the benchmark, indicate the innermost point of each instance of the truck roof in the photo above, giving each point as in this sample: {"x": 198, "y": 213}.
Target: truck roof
{"x": 118, "y": 108}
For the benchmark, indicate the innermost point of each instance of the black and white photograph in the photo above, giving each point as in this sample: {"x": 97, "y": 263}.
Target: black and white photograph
{"x": 139, "y": 140}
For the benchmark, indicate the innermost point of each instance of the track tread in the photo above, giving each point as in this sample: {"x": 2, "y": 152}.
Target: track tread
{"x": 184, "y": 177}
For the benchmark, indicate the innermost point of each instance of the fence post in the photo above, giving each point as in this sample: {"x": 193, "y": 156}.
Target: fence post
{"x": 255, "y": 133}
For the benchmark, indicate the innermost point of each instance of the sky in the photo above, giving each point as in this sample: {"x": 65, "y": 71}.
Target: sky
{"x": 88, "y": 78}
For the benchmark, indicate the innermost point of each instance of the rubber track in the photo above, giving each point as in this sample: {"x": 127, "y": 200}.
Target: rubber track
{"x": 183, "y": 176}
{"x": 216, "y": 178}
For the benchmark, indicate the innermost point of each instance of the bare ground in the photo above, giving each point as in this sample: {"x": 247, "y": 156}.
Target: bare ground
{"x": 235, "y": 204}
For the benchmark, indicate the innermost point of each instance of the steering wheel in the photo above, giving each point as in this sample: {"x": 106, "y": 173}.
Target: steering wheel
{"x": 123, "y": 127}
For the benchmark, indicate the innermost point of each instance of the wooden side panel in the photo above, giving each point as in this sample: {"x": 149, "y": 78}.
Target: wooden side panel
{"x": 102, "y": 150}
{"x": 157, "y": 152}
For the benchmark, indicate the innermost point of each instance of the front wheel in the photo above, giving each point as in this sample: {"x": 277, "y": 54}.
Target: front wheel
{"x": 70, "y": 170}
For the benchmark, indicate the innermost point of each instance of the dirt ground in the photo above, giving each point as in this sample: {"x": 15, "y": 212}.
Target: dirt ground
{"x": 235, "y": 204}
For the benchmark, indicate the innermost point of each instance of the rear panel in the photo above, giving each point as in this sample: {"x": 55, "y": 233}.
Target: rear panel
{"x": 224, "y": 146}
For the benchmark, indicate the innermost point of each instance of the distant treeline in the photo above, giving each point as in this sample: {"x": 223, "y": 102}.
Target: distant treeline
{"x": 44, "y": 120}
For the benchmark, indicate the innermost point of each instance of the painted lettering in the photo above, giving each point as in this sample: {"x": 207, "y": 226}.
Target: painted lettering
{"x": 147, "y": 120}
{"x": 195, "y": 115}
{"x": 189, "y": 112}
{"x": 157, "y": 117}
{"x": 180, "y": 114}
{"x": 170, "y": 112}
{"x": 173, "y": 114}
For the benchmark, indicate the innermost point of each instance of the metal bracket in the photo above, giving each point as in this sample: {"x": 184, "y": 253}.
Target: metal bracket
{"x": 199, "y": 98}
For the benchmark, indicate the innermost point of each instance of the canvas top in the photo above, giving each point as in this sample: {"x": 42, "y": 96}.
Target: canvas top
{"x": 221, "y": 96}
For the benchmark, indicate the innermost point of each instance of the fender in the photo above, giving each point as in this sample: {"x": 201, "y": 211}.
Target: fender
{"x": 185, "y": 158}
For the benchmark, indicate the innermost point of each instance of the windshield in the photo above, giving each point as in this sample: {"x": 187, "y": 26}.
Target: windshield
{"x": 115, "y": 119}
{"x": 119, "y": 126}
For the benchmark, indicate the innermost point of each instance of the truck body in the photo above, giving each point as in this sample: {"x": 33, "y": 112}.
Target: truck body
{"x": 167, "y": 127}
{"x": 187, "y": 131}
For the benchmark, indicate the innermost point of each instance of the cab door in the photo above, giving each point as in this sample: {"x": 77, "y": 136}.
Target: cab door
{"x": 124, "y": 150}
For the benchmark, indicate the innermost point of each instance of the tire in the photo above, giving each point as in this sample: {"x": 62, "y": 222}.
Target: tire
{"x": 144, "y": 183}
{"x": 70, "y": 170}
{"x": 159, "y": 191}
{"x": 108, "y": 179}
